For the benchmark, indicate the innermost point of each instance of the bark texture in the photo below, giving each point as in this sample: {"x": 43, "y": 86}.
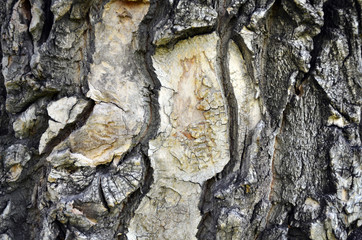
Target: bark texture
{"x": 181, "y": 119}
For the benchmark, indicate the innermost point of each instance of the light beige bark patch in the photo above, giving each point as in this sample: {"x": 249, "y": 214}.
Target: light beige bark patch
{"x": 192, "y": 144}
{"x": 120, "y": 116}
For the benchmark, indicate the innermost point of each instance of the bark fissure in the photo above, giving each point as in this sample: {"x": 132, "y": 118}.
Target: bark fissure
{"x": 102, "y": 196}
{"x": 133, "y": 201}
{"x": 207, "y": 226}
{"x": 69, "y": 128}
{"x": 145, "y": 53}
{"x": 48, "y": 22}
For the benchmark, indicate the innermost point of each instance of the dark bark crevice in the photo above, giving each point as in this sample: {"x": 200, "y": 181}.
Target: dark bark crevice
{"x": 330, "y": 20}
{"x": 48, "y": 22}
{"x": 62, "y": 230}
{"x": 144, "y": 54}
{"x": 69, "y": 128}
{"x": 226, "y": 25}
{"x": 355, "y": 234}
{"x": 102, "y": 196}
{"x": 207, "y": 226}
{"x": 246, "y": 54}
{"x": 132, "y": 202}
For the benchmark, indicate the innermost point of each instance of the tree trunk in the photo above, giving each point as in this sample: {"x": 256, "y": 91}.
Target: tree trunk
{"x": 181, "y": 119}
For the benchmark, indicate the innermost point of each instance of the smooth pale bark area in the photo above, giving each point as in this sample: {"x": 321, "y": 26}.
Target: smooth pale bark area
{"x": 181, "y": 119}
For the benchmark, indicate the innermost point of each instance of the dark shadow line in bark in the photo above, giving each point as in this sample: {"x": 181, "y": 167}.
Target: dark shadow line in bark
{"x": 247, "y": 55}
{"x": 102, "y": 195}
{"x": 143, "y": 55}
{"x": 208, "y": 205}
{"x": 65, "y": 132}
{"x": 48, "y": 22}
{"x": 62, "y": 230}
{"x": 131, "y": 204}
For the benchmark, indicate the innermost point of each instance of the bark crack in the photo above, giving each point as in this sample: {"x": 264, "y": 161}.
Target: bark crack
{"x": 144, "y": 55}
{"x": 225, "y": 25}
{"x": 66, "y": 131}
{"x": 48, "y": 22}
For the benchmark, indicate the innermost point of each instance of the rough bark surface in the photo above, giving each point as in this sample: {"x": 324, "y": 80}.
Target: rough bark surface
{"x": 181, "y": 119}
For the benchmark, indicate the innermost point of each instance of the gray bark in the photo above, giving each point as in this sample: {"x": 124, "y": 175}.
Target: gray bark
{"x": 181, "y": 119}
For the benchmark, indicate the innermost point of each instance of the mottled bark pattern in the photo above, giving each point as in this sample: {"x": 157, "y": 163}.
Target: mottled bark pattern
{"x": 181, "y": 119}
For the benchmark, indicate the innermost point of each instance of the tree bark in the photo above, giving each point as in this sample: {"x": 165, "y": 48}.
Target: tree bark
{"x": 181, "y": 119}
